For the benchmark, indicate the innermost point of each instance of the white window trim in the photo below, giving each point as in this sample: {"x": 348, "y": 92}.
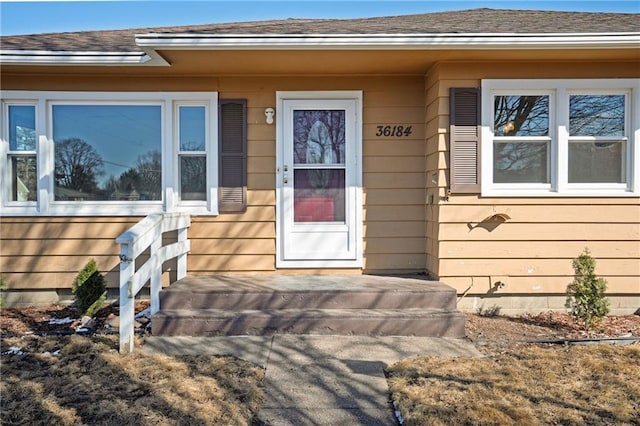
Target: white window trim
{"x": 559, "y": 91}
{"x": 47, "y": 206}
{"x": 211, "y": 152}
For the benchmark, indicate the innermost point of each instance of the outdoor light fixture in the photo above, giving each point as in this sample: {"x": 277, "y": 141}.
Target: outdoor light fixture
{"x": 269, "y": 113}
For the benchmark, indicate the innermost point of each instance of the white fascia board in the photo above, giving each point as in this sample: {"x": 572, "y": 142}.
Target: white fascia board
{"x": 387, "y": 41}
{"x": 88, "y": 58}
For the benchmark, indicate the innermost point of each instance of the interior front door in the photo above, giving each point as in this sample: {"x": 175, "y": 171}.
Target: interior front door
{"x": 319, "y": 183}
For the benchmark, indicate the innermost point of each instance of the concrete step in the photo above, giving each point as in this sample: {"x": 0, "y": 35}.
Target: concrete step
{"x": 376, "y": 322}
{"x": 265, "y": 293}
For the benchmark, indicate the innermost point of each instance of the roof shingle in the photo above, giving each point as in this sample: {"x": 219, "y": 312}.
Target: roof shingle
{"x": 486, "y": 21}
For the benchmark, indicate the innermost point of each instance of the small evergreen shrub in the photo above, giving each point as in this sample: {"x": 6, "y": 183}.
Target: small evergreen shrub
{"x": 90, "y": 289}
{"x": 586, "y": 293}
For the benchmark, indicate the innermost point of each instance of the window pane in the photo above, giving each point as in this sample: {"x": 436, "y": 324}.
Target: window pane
{"x": 22, "y": 128}
{"x": 192, "y": 128}
{"x": 193, "y": 178}
{"x": 521, "y": 115}
{"x": 107, "y": 152}
{"x": 596, "y": 115}
{"x": 597, "y": 162}
{"x": 520, "y": 162}
{"x": 319, "y": 195}
{"x": 318, "y": 136}
{"x": 24, "y": 178}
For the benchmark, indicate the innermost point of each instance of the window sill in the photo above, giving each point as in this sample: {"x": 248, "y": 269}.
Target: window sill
{"x": 566, "y": 193}
{"x": 104, "y": 209}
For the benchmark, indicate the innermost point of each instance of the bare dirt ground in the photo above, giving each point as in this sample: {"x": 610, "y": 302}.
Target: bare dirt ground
{"x": 36, "y": 320}
{"x": 499, "y": 334}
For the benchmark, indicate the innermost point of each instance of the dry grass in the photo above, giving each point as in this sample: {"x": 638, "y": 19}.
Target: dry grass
{"x": 574, "y": 385}
{"x": 90, "y": 383}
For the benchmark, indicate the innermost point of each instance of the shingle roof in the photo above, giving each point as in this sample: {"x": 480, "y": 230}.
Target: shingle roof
{"x": 488, "y": 21}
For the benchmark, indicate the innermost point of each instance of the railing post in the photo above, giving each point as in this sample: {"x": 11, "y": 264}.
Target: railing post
{"x": 147, "y": 234}
{"x": 127, "y": 311}
{"x": 182, "y": 259}
{"x": 156, "y": 274}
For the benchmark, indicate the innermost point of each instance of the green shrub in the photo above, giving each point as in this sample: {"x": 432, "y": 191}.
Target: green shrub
{"x": 586, "y": 293}
{"x": 89, "y": 289}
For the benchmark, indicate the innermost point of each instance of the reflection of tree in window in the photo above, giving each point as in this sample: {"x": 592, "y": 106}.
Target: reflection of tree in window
{"x": 597, "y": 148}
{"x": 521, "y": 116}
{"x": 125, "y": 140}
{"x": 517, "y": 160}
{"x": 140, "y": 182}
{"x": 596, "y": 115}
{"x": 77, "y": 165}
{"x": 333, "y": 122}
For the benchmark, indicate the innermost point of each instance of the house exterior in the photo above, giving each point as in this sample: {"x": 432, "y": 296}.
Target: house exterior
{"x": 485, "y": 148}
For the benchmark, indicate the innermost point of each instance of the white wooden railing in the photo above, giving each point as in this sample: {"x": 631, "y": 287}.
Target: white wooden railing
{"x": 148, "y": 234}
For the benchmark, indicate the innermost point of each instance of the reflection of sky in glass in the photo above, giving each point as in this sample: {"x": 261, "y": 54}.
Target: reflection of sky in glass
{"x": 192, "y": 128}
{"x": 22, "y": 128}
{"x": 521, "y": 115}
{"x": 596, "y": 115}
{"x": 120, "y": 133}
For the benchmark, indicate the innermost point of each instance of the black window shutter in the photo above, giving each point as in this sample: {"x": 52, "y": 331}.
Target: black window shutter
{"x": 464, "y": 138}
{"x": 232, "y": 155}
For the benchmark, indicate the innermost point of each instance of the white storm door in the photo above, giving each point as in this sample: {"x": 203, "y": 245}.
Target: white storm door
{"x": 319, "y": 183}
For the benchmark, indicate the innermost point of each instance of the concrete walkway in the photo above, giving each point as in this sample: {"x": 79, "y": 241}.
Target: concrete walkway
{"x": 320, "y": 380}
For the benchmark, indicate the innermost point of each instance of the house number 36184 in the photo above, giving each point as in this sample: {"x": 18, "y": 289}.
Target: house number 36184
{"x": 395, "y": 131}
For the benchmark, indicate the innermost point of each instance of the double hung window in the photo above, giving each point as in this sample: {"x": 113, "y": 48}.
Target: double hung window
{"x": 21, "y": 167}
{"x": 560, "y": 137}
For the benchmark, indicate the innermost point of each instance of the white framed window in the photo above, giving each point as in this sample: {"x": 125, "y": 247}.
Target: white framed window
{"x": 560, "y": 137}
{"x": 104, "y": 153}
{"x": 20, "y": 169}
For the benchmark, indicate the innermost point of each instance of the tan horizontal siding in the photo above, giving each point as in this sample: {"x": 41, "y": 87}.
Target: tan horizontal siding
{"x": 536, "y": 267}
{"x": 401, "y": 262}
{"x": 62, "y": 247}
{"x": 538, "y": 249}
{"x": 261, "y": 181}
{"x": 51, "y": 280}
{"x": 209, "y": 246}
{"x": 76, "y": 228}
{"x": 233, "y": 229}
{"x": 394, "y": 180}
{"x": 536, "y": 284}
{"x": 397, "y": 116}
{"x": 536, "y": 213}
{"x": 382, "y": 245}
{"x": 393, "y": 164}
{"x": 543, "y": 232}
{"x": 402, "y": 146}
{"x": 394, "y": 213}
{"x": 57, "y": 263}
{"x": 262, "y": 148}
{"x": 230, "y": 262}
{"x": 394, "y": 229}
{"x": 252, "y": 214}
{"x": 394, "y": 197}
